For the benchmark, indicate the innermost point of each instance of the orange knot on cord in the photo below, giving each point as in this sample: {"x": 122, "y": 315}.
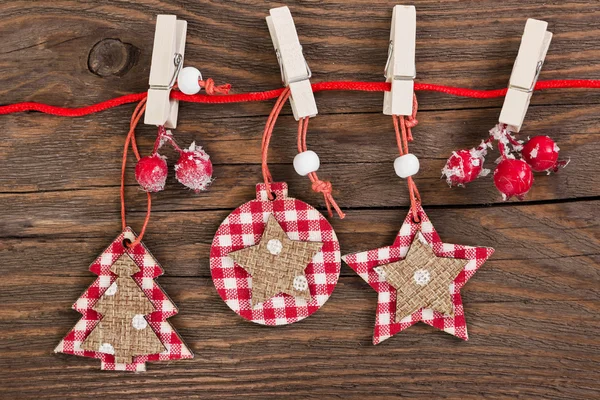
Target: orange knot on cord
{"x": 411, "y": 122}
{"x": 324, "y": 187}
{"x": 211, "y": 89}
{"x": 320, "y": 186}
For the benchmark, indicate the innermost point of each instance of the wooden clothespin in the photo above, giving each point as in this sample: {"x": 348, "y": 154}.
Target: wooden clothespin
{"x": 400, "y": 68}
{"x": 167, "y": 61}
{"x": 295, "y": 72}
{"x": 528, "y": 65}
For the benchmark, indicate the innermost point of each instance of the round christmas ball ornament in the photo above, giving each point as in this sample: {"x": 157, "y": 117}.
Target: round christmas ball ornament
{"x": 541, "y": 153}
{"x": 194, "y": 169}
{"x": 151, "y": 173}
{"x": 275, "y": 262}
{"x": 513, "y": 178}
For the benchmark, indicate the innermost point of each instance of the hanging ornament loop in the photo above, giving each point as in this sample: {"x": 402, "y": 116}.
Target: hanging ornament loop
{"x": 135, "y": 118}
{"x": 403, "y": 127}
{"x": 266, "y": 139}
{"x": 318, "y": 185}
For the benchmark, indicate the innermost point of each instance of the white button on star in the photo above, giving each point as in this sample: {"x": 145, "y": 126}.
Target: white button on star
{"x": 274, "y": 246}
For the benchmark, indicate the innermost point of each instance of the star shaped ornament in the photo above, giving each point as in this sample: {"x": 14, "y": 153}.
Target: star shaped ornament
{"x": 277, "y": 264}
{"x": 418, "y": 278}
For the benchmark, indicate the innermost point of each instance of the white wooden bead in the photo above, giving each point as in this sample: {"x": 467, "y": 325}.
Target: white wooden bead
{"x": 306, "y": 162}
{"x": 188, "y": 80}
{"x": 406, "y": 165}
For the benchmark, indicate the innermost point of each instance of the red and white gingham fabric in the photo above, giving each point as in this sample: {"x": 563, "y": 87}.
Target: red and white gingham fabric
{"x": 365, "y": 262}
{"x": 149, "y": 270}
{"x": 244, "y": 227}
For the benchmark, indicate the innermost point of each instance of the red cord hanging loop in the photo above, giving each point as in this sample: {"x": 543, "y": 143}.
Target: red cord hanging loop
{"x": 266, "y": 139}
{"x": 403, "y": 128}
{"x": 211, "y": 89}
{"x": 318, "y": 185}
{"x": 135, "y": 118}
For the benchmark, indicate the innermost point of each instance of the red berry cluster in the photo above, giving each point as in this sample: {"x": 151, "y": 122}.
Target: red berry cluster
{"x": 512, "y": 176}
{"x": 193, "y": 169}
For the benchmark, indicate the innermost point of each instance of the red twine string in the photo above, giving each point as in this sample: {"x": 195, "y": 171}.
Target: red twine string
{"x": 211, "y": 89}
{"x": 266, "y": 139}
{"x": 403, "y": 128}
{"x": 219, "y": 98}
{"x": 318, "y": 185}
{"x": 135, "y": 118}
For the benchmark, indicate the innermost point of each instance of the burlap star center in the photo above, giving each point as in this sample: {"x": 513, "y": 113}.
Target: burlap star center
{"x": 277, "y": 264}
{"x": 422, "y": 279}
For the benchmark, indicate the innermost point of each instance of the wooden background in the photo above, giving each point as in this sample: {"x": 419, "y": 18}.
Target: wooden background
{"x": 532, "y": 310}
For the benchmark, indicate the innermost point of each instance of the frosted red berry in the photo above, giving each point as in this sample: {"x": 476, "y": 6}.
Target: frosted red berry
{"x": 462, "y": 167}
{"x": 194, "y": 168}
{"x": 541, "y": 153}
{"x": 513, "y": 178}
{"x": 151, "y": 173}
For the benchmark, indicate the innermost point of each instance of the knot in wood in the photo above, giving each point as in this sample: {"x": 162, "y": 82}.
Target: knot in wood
{"x": 112, "y": 57}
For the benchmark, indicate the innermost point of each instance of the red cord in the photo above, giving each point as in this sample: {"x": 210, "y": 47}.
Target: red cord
{"x": 135, "y": 118}
{"x": 318, "y": 185}
{"x": 403, "y": 128}
{"x": 72, "y": 112}
{"x": 271, "y": 94}
{"x": 267, "y": 133}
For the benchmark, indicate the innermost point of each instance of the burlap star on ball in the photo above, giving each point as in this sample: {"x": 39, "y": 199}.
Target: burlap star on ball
{"x": 277, "y": 264}
{"x": 418, "y": 278}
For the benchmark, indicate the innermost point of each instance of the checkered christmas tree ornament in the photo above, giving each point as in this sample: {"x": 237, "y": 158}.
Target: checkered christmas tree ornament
{"x": 418, "y": 278}
{"x": 134, "y": 327}
{"x": 275, "y": 262}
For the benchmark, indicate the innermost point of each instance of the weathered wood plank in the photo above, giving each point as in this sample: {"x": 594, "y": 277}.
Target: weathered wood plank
{"x": 46, "y": 48}
{"x": 354, "y": 187}
{"x": 47, "y": 153}
{"x": 542, "y": 354}
{"x": 532, "y": 310}
{"x": 553, "y": 250}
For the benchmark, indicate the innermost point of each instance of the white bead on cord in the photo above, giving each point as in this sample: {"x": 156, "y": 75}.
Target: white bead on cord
{"x": 306, "y": 162}
{"x": 406, "y": 165}
{"x": 187, "y": 81}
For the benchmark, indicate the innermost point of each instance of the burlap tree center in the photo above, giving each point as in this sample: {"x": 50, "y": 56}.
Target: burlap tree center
{"x": 123, "y": 330}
